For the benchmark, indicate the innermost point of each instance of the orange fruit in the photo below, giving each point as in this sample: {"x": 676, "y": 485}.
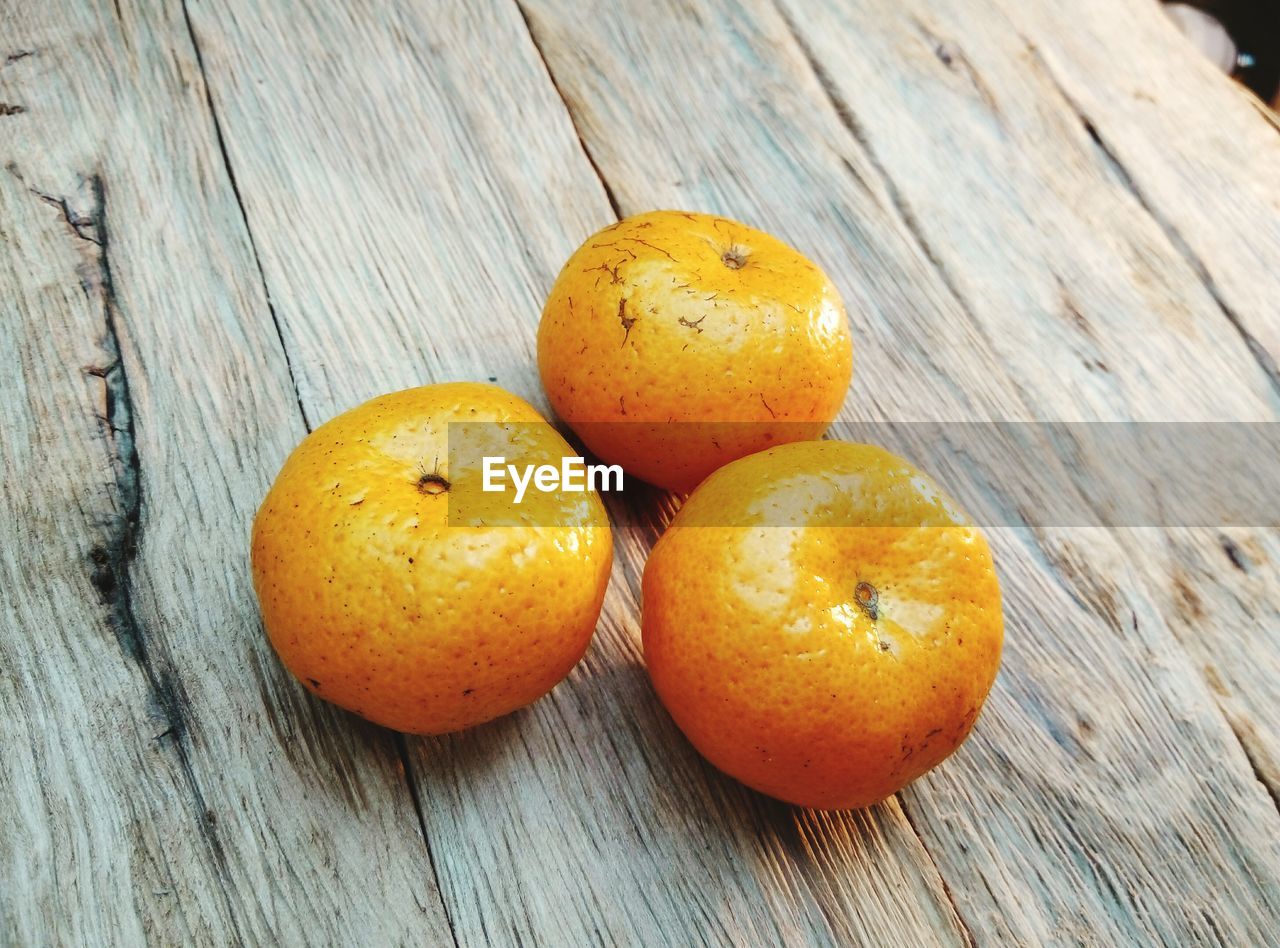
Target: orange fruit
{"x": 393, "y": 587}
{"x": 822, "y": 622}
{"x": 673, "y": 343}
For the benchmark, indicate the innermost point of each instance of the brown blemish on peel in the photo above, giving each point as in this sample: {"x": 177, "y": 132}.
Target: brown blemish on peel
{"x": 627, "y": 321}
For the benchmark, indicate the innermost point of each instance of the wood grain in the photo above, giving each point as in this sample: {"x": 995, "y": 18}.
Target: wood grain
{"x": 584, "y": 818}
{"x": 985, "y": 234}
{"x": 167, "y": 781}
{"x": 226, "y": 221}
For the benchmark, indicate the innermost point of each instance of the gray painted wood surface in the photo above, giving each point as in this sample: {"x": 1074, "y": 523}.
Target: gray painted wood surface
{"x": 224, "y": 222}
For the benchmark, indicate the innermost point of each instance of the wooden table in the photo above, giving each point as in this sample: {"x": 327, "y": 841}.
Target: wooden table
{"x": 224, "y": 221}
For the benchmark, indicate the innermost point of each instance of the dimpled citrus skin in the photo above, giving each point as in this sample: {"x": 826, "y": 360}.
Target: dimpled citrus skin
{"x": 676, "y": 317}
{"x": 374, "y": 602}
{"x": 759, "y": 646}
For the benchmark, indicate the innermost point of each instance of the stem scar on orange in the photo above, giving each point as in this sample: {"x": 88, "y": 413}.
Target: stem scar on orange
{"x": 822, "y": 622}
{"x": 673, "y": 343}
{"x": 379, "y": 601}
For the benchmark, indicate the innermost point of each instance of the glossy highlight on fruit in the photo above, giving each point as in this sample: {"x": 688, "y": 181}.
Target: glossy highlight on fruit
{"x": 822, "y": 622}
{"x": 673, "y": 343}
{"x": 379, "y": 600}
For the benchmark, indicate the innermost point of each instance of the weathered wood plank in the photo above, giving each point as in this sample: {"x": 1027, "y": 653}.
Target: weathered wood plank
{"x": 165, "y": 780}
{"x": 420, "y": 242}
{"x": 1090, "y": 767}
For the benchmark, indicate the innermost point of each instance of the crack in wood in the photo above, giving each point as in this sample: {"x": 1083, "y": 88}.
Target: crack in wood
{"x": 1271, "y": 787}
{"x": 78, "y": 223}
{"x": 244, "y": 215}
{"x": 965, "y": 931}
{"x": 402, "y": 746}
{"x": 573, "y": 121}
{"x": 1234, "y": 554}
{"x": 111, "y": 560}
